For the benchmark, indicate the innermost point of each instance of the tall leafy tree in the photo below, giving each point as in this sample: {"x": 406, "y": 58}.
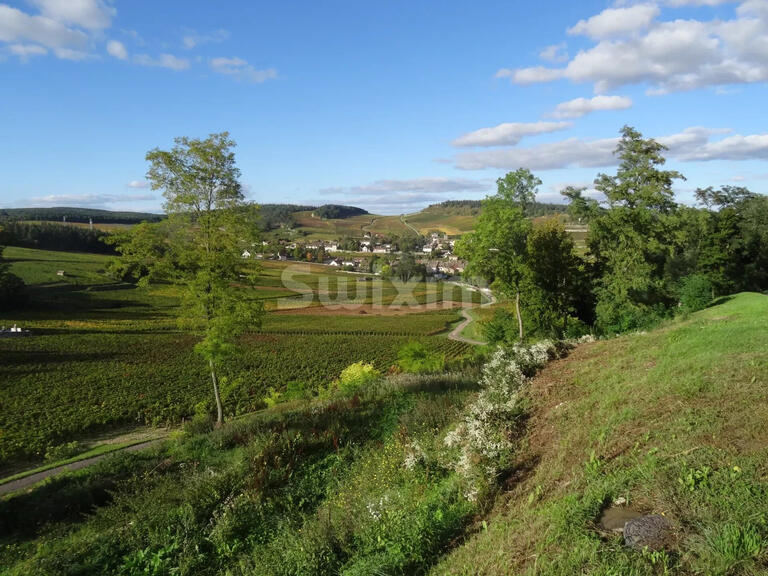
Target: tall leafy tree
{"x": 497, "y": 249}
{"x": 209, "y": 225}
{"x": 554, "y": 268}
{"x": 632, "y": 239}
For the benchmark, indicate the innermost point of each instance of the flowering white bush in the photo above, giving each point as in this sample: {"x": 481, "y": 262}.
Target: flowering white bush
{"x": 413, "y": 455}
{"x": 481, "y": 447}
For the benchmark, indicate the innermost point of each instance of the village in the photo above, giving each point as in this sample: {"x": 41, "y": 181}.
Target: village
{"x": 372, "y": 254}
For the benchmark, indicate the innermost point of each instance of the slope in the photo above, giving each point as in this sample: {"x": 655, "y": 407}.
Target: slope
{"x": 675, "y": 421}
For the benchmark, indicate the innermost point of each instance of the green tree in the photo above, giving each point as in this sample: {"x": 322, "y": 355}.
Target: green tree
{"x": 632, "y": 239}
{"x": 554, "y": 267}
{"x": 497, "y": 249}
{"x": 12, "y": 288}
{"x": 209, "y": 225}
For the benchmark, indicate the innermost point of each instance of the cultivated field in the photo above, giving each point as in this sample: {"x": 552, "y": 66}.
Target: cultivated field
{"x": 105, "y": 353}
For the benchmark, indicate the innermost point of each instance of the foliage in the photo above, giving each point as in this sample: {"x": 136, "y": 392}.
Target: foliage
{"x": 82, "y": 215}
{"x": 12, "y": 288}
{"x": 356, "y": 377}
{"x": 211, "y": 223}
{"x": 631, "y": 241}
{"x": 334, "y": 211}
{"x": 555, "y": 270}
{"x": 497, "y": 249}
{"x": 414, "y": 357}
{"x": 54, "y": 236}
{"x": 695, "y": 292}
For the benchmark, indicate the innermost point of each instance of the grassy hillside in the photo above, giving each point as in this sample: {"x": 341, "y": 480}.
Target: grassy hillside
{"x": 675, "y": 421}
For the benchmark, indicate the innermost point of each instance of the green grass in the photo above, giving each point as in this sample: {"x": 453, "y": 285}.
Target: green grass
{"x": 675, "y": 421}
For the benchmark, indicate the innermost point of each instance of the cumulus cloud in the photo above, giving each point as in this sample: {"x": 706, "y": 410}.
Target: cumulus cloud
{"x": 17, "y": 26}
{"x": 695, "y": 144}
{"x": 241, "y": 70}
{"x": 614, "y": 22}
{"x": 117, "y": 49}
{"x": 138, "y": 184}
{"x": 26, "y": 51}
{"x": 508, "y": 133}
{"x": 554, "y": 53}
{"x": 88, "y": 14}
{"x": 419, "y": 186}
{"x": 675, "y": 55}
{"x": 163, "y": 61}
{"x": 192, "y": 39}
{"x": 583, "y": 106}
{"x": 402, "y": 196}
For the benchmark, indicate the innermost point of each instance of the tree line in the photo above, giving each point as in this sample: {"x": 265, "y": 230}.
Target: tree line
{"x": 646, "y": 258}
{"x": 54, "y": 236}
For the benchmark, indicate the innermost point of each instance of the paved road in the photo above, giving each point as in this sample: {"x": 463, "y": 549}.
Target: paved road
{"x": 33, "y": 479}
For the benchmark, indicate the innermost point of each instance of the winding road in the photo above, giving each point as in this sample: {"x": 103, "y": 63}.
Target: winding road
{"x": 32, "y": 479}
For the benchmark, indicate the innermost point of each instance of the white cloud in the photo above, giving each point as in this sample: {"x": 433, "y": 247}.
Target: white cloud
{"x": 509, "y": 133}
{"x": 403, "y": 196}
{"x": 693, "y": 144}
{"x": 163, "y": 61}
{"x": 88, "y": 14}
{"x": 554, "y": 53}
{"x": 241, "y": 70}
{"x": 192, "y": 38}
{"x": 19, "y": 27}
{"x": 421, "y": 186}
{"x": 614, "y": 22}
{"x": 532, "y": 75}
{"x": 583, "y": 106}
{"x": 26, "y": 51}
{"x": 668, "y": 56}
{"x": 572, "y": 152}
{"x": 138, "y": 184}
{"x": 117, "y": 49}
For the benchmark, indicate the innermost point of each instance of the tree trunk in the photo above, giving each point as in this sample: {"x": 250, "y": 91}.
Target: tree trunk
{"x": 519, "y": 318}
{"x": 219, "y": 408}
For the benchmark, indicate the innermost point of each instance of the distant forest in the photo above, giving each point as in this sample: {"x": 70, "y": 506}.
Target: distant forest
{"x": 274, "y": 216}
{"x": 334, "y": 211}
{"x": 472, "y": 208}
{"x": 53, "y": 236}
{"x": 78, "y": 215}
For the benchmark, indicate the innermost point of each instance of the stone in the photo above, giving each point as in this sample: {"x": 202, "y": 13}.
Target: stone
{"x": 652, "y": 531}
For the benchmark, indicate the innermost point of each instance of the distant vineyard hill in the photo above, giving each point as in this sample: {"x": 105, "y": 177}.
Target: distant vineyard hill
{"x": 82, "y": 215}
{"x": 473, "y": 208}
{"x": 275, "y": 216}
{"x": 336, "y": 211}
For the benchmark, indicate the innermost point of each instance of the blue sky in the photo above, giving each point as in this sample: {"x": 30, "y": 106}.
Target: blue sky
{"x": 385, "y": 105}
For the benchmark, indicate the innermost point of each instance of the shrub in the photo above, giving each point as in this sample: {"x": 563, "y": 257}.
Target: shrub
{"x": 355, "y": 377}
{"x": 695, "y": 292}
{"x": 415, "y": 358}
{"x": 63, "y": 451}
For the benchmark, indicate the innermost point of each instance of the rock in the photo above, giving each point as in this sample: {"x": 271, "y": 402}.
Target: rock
{"x": 651, "y": 531}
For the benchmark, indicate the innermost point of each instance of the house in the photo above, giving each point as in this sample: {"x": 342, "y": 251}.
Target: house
{"x": 380, "y": 250}
{"x": 336, "y": 262}
{"x": 332, "y": 248}
{"x": 245, "y": 254}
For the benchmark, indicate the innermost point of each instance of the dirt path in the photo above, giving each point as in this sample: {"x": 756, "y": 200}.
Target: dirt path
{"x": 33, "y": 479}
{"x": 402, "y": 219}
{"x": 456, "y": 332}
